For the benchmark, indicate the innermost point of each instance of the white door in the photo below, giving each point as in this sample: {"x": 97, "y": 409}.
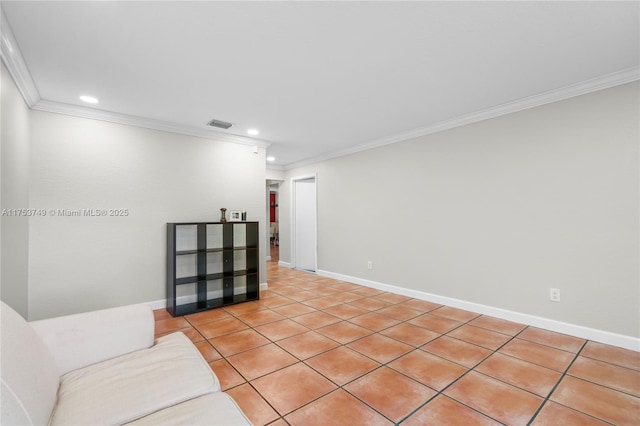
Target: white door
{"x": 305, "y": 223}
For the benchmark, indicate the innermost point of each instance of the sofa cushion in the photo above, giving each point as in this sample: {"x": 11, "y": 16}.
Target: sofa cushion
{"x": 211, "y": 409}
{"x": 29, "y": 378}
{"x": 76, "y": 341}
{"x": 131, "y": 386}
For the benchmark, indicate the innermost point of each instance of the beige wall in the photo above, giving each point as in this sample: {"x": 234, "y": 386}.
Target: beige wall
{"x": 497, "y": 212}
{"x": 14, "y": 140}
{"x": 59, "y": 264}
{"x": 85, "y": 263}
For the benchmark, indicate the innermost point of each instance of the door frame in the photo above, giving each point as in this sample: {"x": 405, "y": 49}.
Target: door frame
{"x": 313, "y": 176}
{"x": 267, "y": 232}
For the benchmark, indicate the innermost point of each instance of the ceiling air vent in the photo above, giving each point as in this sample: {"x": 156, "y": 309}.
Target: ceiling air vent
{"x": 219, "y": 123}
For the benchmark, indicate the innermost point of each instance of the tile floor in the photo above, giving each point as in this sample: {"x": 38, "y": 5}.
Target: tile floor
{"x": 317, "y": 351}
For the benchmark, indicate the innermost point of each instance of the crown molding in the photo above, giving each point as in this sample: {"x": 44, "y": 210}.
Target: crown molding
{"x": 14, "y": 61}
{"x": 275, "y": 167}
{"x": 573, "y": 90}
{"x": 12, "y": 58}
{"x": 148, "y": 123}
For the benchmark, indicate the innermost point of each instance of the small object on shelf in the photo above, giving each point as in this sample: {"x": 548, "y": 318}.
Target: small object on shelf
{"x": 244, "y": 215}
{"x": 223, "y": 218}
{"x": 211, "y": 264}
{"x": 235, "y": 216}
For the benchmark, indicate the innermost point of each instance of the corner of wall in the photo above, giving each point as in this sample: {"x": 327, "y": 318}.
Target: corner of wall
{"x": 14, "y": 198}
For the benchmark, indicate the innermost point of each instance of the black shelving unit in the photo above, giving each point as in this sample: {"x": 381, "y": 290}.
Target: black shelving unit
{"x": 211, "y": 264}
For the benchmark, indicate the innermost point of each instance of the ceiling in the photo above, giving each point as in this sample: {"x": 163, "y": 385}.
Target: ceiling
{"x": 317, "y": 79}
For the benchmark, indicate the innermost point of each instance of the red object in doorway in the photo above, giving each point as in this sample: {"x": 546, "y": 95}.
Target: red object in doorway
{"x": 272, "y": 207}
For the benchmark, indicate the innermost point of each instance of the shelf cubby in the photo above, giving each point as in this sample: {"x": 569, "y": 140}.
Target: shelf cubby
{"x": 210, "y": 265}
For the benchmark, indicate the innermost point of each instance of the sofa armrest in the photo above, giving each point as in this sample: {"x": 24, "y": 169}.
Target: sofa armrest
{"x": 76, "y": 341}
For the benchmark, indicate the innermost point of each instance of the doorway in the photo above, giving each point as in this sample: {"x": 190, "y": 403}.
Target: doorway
{"x": 304, "y": 238}
{"x": 273, "y": 213}
{"x": 274, "y": 227}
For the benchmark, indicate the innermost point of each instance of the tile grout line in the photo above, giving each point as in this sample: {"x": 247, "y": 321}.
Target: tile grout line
{"x": 564, "y": 373}
{"x": 379, "y": 332}
{"x": 301, "y": 361}
{"x": 321, "y": 374}
{"x": 604, "y": 362}
{"x": 247, "y": 381}
{"x": 462, "y": 323}
{"x": 338, "y": 387}
{"x": 469, "y": 370}
{"x": 381, "y": 365}
{"x": 473, "y": 369}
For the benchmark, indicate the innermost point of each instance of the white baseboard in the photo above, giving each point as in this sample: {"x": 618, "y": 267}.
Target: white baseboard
{"x": 268, "y": 258}
{"x": 162, "y": 304}
{"x": 157, "y": 304}
{"x": 606, "y": 337}
{"x": 285, "y": 264}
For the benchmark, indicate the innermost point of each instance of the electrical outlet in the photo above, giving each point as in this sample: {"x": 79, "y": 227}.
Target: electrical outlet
{"x": 369, "y": 264}
{"x": 554, "y": 294}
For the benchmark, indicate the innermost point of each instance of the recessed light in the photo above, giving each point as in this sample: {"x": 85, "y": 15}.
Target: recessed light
{"x": 89, "y": 99}
{"x": 253, "y": 132}
{"x": 271, "y": 158}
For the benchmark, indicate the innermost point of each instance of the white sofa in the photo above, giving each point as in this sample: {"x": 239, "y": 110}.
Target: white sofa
{"x": 104, "y": 368}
